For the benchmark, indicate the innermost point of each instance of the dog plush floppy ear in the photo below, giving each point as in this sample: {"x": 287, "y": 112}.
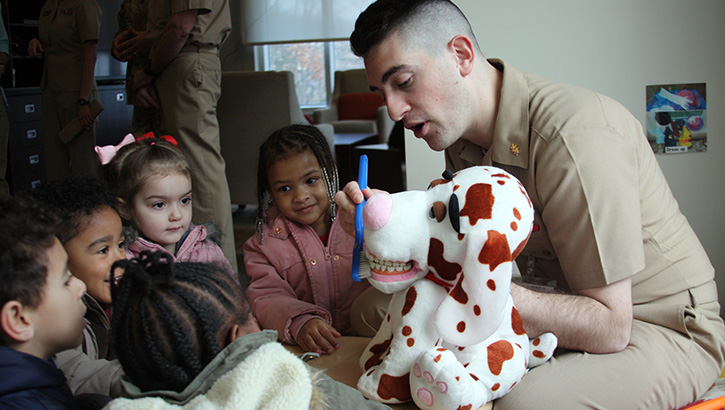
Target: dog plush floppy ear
{"x": 495, "y": 217}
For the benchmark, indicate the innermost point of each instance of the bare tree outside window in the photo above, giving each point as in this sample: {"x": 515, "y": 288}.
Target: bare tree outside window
{"x": 308, "y": 64}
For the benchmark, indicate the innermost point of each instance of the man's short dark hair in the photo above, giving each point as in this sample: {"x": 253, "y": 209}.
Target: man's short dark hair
{"x": 384, "y": 17}
{"x": 29, "y": 230}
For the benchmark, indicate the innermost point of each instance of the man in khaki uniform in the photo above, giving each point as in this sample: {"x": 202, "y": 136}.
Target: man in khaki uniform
{"x": 183, "y": 80}
{"x": 635, "y": 306}
{"x": 68, "y": 39}
{"x": 4, "y": 124}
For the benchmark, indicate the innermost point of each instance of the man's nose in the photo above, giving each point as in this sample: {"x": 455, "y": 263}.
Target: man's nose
{"x": 397, "y": 107}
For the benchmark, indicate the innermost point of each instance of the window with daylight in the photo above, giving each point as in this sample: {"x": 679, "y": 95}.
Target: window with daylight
{"x": 313, "y": 65}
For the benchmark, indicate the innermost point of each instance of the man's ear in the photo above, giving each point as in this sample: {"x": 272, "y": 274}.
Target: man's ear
{"x": 462, "y": 48}
{"x": 15, "y": 322}
{"x": 124, "y": 209}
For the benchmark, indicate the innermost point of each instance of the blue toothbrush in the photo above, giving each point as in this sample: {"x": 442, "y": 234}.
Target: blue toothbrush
{"x": 360, "y": 265}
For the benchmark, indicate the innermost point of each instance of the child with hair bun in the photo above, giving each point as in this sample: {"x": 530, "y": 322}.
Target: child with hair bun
{"x": 186, "y": 338}
{"x": 299, "y": 261}
{"x": 151, "y": 178}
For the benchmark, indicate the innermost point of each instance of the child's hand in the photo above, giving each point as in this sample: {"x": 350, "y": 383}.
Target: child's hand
{"x": 317, "y": 336}
{"x": 347, "y": 199}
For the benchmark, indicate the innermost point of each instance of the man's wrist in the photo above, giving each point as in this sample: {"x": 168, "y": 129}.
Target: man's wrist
{"x": 147, "y": 69}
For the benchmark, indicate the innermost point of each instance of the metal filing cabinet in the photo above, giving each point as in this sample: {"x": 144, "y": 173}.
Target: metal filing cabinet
{"x": 26, "y": 168}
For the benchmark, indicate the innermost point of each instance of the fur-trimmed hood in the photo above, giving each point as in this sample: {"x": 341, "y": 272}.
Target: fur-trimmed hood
{"x": 252, "y": 372}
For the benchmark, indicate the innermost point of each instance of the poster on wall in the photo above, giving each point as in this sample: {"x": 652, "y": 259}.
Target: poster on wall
{"x": 677, "y": 118}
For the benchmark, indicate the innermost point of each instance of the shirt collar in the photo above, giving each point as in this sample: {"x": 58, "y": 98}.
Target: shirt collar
{"x": 510, "y": 144}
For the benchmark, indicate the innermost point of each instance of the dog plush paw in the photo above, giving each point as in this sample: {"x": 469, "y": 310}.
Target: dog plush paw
{"x": 439, "y": 381}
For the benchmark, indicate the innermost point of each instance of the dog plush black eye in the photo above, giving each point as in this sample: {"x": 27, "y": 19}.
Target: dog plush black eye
{"x": 454, "y": 213}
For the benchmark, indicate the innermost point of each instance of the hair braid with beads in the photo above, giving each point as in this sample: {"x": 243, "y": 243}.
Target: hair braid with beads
{"x": 283, "y": 144}
{"x": 172, "y": 319}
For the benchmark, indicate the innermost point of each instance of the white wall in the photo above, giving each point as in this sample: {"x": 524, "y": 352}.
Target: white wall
{"x": 617, "y": 48}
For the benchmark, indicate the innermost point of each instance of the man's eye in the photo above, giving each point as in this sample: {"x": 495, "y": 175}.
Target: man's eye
{"x": 405, "y": 83}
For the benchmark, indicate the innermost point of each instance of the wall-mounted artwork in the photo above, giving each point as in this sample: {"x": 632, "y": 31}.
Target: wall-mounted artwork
{"x": 677, "y": 118}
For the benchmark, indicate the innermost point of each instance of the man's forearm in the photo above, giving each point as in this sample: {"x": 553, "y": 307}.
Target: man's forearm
{"x": 580, "y": 322}
{"x": 173, "y": 38}
{"x": 88, "y": 69}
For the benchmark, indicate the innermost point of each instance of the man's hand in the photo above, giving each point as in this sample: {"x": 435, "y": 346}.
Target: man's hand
{"x": 130, "y": 45}
{"x": 35, "y": 49}
{"x": 142, "y": 80}
{"x": 319, "y": 337}
{"x": 148, "y": 97}
{"x": 84, "y": 116}
{"x": 347, "y": 199}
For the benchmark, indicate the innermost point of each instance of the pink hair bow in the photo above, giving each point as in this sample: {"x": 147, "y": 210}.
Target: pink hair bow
{"x": 107, "y": 152}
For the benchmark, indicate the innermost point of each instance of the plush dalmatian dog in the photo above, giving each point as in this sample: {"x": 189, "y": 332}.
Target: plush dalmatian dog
{"x": 452, "y": 338}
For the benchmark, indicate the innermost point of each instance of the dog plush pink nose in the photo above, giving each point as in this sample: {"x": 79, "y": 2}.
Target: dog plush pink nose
{"x": 377, "y": 211}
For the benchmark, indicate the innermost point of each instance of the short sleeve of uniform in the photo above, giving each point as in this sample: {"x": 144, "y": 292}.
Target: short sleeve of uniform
{"x": 88, "y": 20}
{"x": 587, "y": 180}
{"x": 204, "y": 6}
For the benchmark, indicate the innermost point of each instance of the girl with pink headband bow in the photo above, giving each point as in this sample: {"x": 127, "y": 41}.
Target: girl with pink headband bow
{"x": 151, "y": 179}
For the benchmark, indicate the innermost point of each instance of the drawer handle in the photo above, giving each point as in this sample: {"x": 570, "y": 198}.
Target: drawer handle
{"x": 34, "y": 159}
{"x": 32, "y": 134}
{"x": 29, "y": 108}
{"x": 120, "y": 97}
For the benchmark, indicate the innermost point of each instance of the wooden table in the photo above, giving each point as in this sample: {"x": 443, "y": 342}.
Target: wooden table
{"x": 343, "y": 365}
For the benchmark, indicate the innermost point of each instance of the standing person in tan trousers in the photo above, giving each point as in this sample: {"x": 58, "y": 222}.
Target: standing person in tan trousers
{"x": 4, "y": 123}
{"x": 183, "y": 79}
{"x": 68, "y": 40}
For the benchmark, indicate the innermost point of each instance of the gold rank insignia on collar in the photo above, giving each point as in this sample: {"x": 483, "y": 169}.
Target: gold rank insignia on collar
{"x": 515, "y": 149}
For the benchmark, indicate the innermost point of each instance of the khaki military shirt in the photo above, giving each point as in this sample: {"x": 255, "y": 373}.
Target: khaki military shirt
{"x": 603, "y": 209}
{"x": 63, "y": 27}
{"x": 212, "y": 25}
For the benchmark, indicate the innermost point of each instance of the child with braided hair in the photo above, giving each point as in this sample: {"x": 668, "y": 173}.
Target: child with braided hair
{"x": 151, "y": 178}
{"x": 185, "y": 336}
{"x": 299, "y": 260}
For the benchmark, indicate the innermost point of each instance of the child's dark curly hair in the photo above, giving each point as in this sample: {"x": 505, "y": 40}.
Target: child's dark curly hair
{"x": 75, "y": 199}
{"x": 28, "y": 231}
{"x": 171, "y": 319}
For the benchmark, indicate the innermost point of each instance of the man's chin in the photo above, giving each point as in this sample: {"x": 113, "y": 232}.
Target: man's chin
{"x": 436, "y": 144}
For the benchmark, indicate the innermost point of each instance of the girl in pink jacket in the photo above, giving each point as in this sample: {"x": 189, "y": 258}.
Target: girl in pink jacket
{"x": 299, "y": 260}
{"x": 151, "y": 178}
